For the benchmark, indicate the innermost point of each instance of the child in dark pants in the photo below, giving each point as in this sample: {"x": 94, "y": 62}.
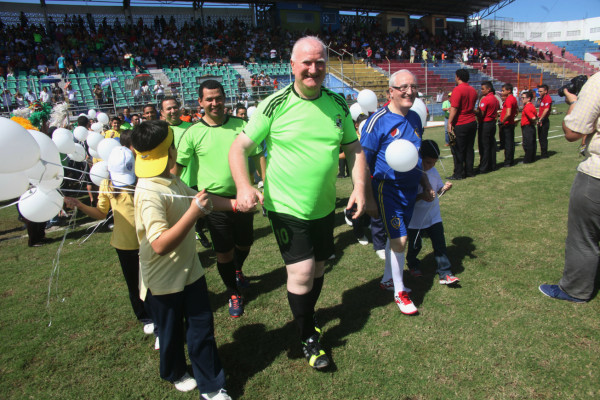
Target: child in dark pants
{"x": 427, "y": 219}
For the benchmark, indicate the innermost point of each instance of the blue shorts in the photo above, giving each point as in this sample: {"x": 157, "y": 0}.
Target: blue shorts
{"x": 395, "y": 205}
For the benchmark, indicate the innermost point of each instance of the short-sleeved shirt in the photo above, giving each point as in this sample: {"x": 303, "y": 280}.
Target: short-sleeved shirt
{"x": 489, "y": 106}
{"x": 426, "y": 214}
{"x": 545, "y": 104}
{"x": 585, "y": 119}
{"x": 209, "y": 147}
{"x": 156, "y": 212}
{"x": 463, "y": 99}
{"x": 528, "y": 114}
{"x": 189, "y": 174}
{"x": 509, "y": 103}
{"x": 446, "y": 104}
{"x": 123, "y": 235}
{"x": 303, "y": 138}
{"x": 381, "y": 129}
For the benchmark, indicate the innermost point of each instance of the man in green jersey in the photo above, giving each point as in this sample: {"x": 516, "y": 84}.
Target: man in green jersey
{"x": 207, "y": 144}
{"x": 303, "y": 126}
{"x": 170, "y": 112}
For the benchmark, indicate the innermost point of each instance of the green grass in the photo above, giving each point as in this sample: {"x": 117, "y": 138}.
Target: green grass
{"x": 494, "y": 337}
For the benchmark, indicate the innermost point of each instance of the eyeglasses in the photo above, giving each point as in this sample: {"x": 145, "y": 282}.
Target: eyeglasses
{"x": 404, "y": 88}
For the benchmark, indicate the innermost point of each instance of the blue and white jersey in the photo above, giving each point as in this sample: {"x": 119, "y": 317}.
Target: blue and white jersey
{"x": 381, "y": 129}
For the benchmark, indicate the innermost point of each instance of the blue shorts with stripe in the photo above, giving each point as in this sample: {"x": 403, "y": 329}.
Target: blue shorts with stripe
{"x": 396, "y": 204}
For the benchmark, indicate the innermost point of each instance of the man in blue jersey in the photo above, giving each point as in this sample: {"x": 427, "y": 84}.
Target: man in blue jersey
{"x": 396, "y": 192}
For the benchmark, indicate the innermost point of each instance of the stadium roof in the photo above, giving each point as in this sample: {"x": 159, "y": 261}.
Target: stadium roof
{"x": 449, "y": 8}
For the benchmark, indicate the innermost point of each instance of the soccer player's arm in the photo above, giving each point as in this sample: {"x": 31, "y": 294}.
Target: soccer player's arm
{"x": 247, "y": 196}
{"x": 362, "y": 194}
{"x": 453, "y": 110}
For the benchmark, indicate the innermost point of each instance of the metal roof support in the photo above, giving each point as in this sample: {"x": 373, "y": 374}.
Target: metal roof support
{"x": 490, "y": 10}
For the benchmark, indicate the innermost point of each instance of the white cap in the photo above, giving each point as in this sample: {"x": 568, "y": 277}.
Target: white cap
{"x": 120, "y": 167}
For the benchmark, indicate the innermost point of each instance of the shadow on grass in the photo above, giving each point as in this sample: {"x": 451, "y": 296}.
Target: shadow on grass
{"x": 461, "y": 248}
{"x": 254, "y": 348}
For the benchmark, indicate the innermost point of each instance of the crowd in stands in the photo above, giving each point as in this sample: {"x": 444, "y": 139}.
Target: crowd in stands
{"x": 78, "y": 42}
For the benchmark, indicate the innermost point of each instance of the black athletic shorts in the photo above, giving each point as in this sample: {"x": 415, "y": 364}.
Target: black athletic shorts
{"x": 300, "y": 239}
{"x": 228, "y": 229}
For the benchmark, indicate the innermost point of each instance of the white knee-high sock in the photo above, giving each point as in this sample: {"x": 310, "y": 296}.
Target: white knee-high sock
{"x": 387, "y": 272}
{"x": 397, "y": 264}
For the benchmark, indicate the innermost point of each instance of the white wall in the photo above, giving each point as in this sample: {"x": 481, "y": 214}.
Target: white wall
{"x": 583, "y": 29}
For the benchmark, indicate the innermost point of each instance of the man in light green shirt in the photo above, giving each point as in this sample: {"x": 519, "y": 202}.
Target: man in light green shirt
{"x": 303, "y": 126}
{"x": 446, "y": 110}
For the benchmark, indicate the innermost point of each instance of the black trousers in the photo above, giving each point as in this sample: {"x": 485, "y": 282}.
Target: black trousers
{"x": 487, "y": 146}
{"x": 130, "y": 265}
{"x": 543, "y": 136}
{"x": 529, "y": 143}
{"x": 507, "y": 133}
{"x": 463, "y": 151}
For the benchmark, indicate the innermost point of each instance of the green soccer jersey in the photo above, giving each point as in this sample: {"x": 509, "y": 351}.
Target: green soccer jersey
{"x": 303, "y": 140}
{"x": 209, "y": 147}
{"x": 190, "y": 172}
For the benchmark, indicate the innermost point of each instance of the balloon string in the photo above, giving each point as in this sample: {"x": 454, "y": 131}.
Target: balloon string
{"x": 425, "y": 217}
{"x": 131, "y": 191}
{"x": 11, "y": 204}
{"x": 98, "y": 225}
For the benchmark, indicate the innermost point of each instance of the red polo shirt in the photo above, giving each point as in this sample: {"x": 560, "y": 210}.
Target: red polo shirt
{"x": 545, "y": 104}
{"x": 489, "y": 107}
{"x": 510, "y": 103}
{"x": 528, "y": 114}
{"x": 463, "y": 99}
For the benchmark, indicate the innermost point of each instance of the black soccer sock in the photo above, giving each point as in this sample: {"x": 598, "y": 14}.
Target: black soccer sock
{"x": 300, "y": 304}
{"x": 239, "y": 256}
{"x": 227, "y": 272}
{"x": 316, "y": 291}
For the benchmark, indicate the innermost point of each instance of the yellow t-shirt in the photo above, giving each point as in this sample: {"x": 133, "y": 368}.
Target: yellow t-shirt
{"x": 112, "y": 134}
{"x": 123, "y": 235}
{"x": 156, "y": 212}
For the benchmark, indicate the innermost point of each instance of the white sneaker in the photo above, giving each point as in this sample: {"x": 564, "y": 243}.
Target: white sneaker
{"x": 363, "y": 240}
{"x": 156, "y": 344}
{"x": 185, "y": 383}
{"x": 405, "y": 303}
{"x": 348, "y": 220}
{"x": 149, "y": 328}
{"x": 261, "y": 184}
{"x": 218, "y": 395}
{"x": 380, "y": 253}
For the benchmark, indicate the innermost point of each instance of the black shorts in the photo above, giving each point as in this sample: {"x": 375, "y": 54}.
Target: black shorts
{"x": 300, "y": 239}
{"x": 228, "y": 229}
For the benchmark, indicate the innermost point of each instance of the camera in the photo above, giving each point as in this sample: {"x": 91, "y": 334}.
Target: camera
{"x": 574, "y": 86}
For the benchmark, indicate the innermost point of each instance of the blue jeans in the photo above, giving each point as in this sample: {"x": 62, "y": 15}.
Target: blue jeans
{"x": 446, "y": 131}
{"x": 438, "y": 241}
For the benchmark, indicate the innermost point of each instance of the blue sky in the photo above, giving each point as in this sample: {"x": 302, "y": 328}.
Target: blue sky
{"x": 549, "y": 10}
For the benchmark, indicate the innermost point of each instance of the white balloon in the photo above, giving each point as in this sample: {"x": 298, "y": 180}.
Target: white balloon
{"x": 367, "y": 100}
{"x": 401, "y": 155}
{"x": 93, "y": 139}
{"x": 99, "y": 172}
{"x": 49, "y": 165}
{"x": 80, "y": 133}
{"x": 13, "y": 185}
{"x": 93, "y": 153}
{"x": 92, "y": 114}
{"x": 106, "y": 146}
{"x": 420, "y": 108}
{"x": 18, "y": 150}
{"x": 64, "y": 140}
{"x": 102, "y": 118}
{"x": 39, "y": 205}
{"x": 355, "y": 111}
{"x": 250, "y": 111}
{"x": 78, "y": 154}
{"x": 51, "y": 184}
{"x": 97, "y": 127}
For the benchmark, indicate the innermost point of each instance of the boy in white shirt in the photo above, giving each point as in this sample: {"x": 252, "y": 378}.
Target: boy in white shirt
{"x": 427, "y": 218}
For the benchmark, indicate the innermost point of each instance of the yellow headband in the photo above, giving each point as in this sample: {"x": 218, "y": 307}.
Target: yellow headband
{"x": 153, "y": 162}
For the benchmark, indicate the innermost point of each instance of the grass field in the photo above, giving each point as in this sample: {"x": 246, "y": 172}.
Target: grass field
{"x": 493, "y": 337}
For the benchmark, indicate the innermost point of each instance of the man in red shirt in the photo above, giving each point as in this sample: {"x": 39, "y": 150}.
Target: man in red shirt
{"x": 487, "y": 114}
{"x": 528, "y": 122}
{"x": 463, "y": 125}
{"x": 544, "y": 122}
{"x": 510, "y": 109}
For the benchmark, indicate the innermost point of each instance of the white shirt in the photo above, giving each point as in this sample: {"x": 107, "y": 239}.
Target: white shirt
{"x": 426, "y": 213}
{"x": 45, "y": 97}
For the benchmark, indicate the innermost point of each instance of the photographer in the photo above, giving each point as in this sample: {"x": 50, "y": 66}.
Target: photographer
{"x": 582, "y": 253}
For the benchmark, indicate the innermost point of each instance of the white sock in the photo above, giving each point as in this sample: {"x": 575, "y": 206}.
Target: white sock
{"x": 397, "y": 264}
{"x": 387, "y": 272}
